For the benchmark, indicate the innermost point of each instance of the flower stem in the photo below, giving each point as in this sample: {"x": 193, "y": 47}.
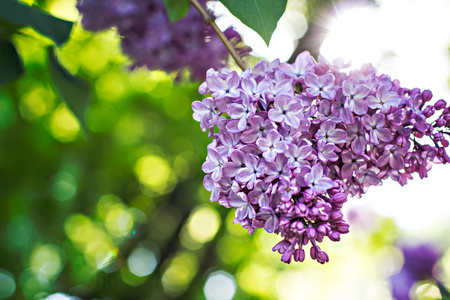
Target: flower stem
{"x": 209, "y": 20}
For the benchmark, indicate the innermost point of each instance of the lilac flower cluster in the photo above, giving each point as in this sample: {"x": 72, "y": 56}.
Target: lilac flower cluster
{"x": 151, "y": 40}
{"x": 292, "y": 141}
{"x": 418, "y": 265}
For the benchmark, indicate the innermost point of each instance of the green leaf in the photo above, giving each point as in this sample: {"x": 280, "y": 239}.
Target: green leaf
{"x": 176, "y": 9}
{"x": 11, "y": 65}
{"x": 444, "y": 293}
{"x": 75, "y": 91}
{"x": 16, "y": 13}
{"x": 260, "y": 15}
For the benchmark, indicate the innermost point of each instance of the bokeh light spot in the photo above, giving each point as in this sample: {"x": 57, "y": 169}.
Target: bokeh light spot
{"x": 255, "y": 278}
{"x": 178, "y": 275}
{"x": 64, "y": 187}
{"x": 33, "y": 283}
{"x": 7, "y": 284}
{"x": 142, "y": 262}
{"x": 426, "y": 290}
{"x": 105, "y": 203}
{"x": 154, "y": 172}
{"x": 47, "y": 260}
{"x": 119, "y": 221}
{"x": 64, "y": 126}
{"x": 219, "y": 286}
{"x": 36, "y": 103}
{"x": 105, "y": 257}
{"x": 203, "y": 224}
{"x": 91, "y": 239}
{"x": 64, "y": 9}
{"x": 61, "y": 296}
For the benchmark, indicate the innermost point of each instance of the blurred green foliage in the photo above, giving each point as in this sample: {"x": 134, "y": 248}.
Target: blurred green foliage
{"x": 117, "y": 210}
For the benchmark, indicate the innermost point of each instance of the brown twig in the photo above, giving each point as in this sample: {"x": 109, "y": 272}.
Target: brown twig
{"x": 209, "y": 20}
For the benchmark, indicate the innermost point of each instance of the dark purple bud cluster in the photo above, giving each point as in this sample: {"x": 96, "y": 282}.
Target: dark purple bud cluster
{"x": 293, "y": 140}
{"x": 151, "y": 40}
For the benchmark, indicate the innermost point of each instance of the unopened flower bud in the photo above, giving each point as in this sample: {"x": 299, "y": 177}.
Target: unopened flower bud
{"x": 440, "y": 122}
{"x": 440, "y": 104}
{"x": 334, "y": 236}
{"x": 427, "y": 95}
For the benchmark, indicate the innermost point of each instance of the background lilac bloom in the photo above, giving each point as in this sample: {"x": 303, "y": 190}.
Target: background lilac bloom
{"x": 323, "y": 85}
{"x": 150, "y": 39}
{"x": 329, "y": 133}
{"x": 419, "y": 261}
{"x": 383, "y": 99}
{"x": 375, "y": 125}
{"x": 286, "y": 110}
{"x": 271, "y": 145}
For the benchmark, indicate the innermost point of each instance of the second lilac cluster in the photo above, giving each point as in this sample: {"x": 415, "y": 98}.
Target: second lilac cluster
{"x": 292, "y": 141}
{"x": 151, "y": 40}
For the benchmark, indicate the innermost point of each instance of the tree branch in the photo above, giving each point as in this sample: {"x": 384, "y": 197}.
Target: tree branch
{"x": 209, "y": 20}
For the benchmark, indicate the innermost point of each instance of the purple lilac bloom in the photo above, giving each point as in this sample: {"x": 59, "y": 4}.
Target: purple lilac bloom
{"x": 323, "y": 85}
{"x": 375, "y": 126}
{"x": 383, "y": 99}
{"x": 259, "y": 127}
{"x": 292, "y": 142}
{"x": 419, "y": 261}
{"x": 329, "y": 133}
{"x": 355, "y": 97}
{"x": 286, "y": 111}
{"x": 271, "y": 145}
{"x": 150, "y": 39}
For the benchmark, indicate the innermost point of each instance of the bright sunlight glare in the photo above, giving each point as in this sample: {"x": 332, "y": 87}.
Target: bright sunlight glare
{"x": 409, "y": 40}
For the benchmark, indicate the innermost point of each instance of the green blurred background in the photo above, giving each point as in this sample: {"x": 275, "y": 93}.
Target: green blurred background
{"x": 114, "y": 207}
